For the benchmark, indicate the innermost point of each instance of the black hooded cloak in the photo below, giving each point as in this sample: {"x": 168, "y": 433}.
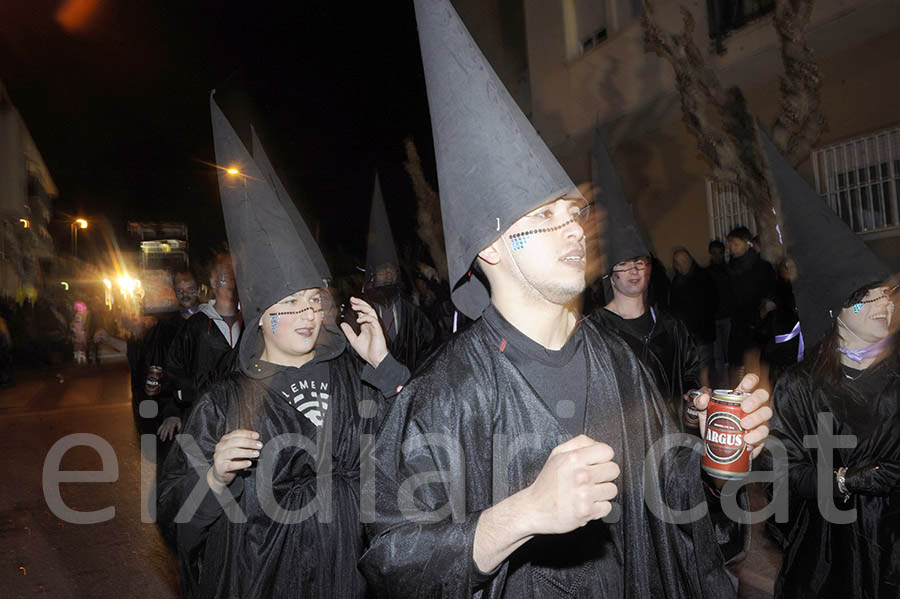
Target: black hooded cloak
{"x": 260, "y": 557}
{"x": 197, "y": 357}
{"x": 471, "y": 396}
{"x": 666, "y": 348}
{"x": 821, "y": 558}
{"x": 248, "y": 549}
{"x": 668, "y": 351}
{"x": 473, "y": 402}
{"x": 409, "y": 333}
{"x": 411, "y": 338}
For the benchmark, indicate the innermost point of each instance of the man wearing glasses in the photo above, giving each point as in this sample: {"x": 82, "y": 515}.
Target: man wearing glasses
{"x": 660, "y": 340}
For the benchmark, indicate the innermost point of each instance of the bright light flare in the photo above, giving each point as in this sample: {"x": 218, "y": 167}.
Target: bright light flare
{"x": 127, "y": 285}
{"x": 65, "y": 285}
{"x": 82, "y": 224}
{"x": 25, "y": 222}
{"x": 233, "y": 171}
{"x": 108, "y": 283}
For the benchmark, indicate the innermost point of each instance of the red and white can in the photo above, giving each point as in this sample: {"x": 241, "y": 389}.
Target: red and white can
{"x": 726, "y": 455}
{"x": 690, "y": 417}
{"x": 152, "y": 383}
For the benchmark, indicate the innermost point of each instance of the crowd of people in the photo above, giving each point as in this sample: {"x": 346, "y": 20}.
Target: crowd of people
{"x": 490, "y": 436}
{"x": 496, "y": 435}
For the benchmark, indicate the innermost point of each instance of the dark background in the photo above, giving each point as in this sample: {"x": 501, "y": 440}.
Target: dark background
{"x": 118, "y": 105}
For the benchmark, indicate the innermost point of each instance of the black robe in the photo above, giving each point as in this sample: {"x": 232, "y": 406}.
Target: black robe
{"x": 471, "y": 396}
{"x": 414, "y": 338}
{"x": 752, "y": 280}
{"x": 693, "y": 298}
{"x": 668, "y": 352}
{"x": 861, "y": 559}
{"x": 157, "y": 343}
{"x": 262, "y": 557}
{"x": 198, "y": 357}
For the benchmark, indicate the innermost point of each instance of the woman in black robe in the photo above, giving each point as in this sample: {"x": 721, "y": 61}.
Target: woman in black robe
{"x": 854, "y": 375}
{"x": 261, "y": 549}
{"x": 264, "y": 485}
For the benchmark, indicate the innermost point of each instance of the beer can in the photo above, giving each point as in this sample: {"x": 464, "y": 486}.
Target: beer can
{"x": 152, "y": 383}
{"x": 690, "y": 417}
{"x": 726, "y": 455}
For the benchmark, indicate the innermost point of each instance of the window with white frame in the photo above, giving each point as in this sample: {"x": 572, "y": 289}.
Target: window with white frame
{"x": 726, "y": 209}
{"x": 860, "y": 180}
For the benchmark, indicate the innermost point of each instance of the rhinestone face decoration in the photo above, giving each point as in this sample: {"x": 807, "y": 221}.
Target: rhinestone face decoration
{"x": 519, "y": 240}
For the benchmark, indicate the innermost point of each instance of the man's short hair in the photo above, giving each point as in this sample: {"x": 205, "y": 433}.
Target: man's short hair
{"x": 741, "y": 232}
{"x": 184, "y": 273}
{"x": 715, "y": 243}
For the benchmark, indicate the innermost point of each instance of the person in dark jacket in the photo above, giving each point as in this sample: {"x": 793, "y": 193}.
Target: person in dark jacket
{"x": 753, "y": 286}
{"x": 478, "y": 492}
{"x": 157, "y": 385}
{"x": 718, "y": 271}
{"x": 693, "y": 298}
{"x": 276, "y": 447}
{"x": 203, "y": 350}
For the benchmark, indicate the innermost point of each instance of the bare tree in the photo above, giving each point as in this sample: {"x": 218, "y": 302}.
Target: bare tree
{"x": 429, "y": 227}
{"x": 719, "y": 119}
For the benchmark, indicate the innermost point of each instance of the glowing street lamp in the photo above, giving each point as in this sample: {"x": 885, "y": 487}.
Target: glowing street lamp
{"x": 78, "y": 223}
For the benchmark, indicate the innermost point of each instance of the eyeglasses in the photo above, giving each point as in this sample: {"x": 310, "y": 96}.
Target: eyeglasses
{"x": 638, "y": 265}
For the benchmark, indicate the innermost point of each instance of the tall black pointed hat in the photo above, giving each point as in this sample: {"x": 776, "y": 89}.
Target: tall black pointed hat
{"x": 380, "y": 248}
{"x": 492, "y": 165}
{"x": 265, "y": 165}
{"x": 623, "y": 237}
{"x": 832, "y": 261}
{"x": 270, "y": 259}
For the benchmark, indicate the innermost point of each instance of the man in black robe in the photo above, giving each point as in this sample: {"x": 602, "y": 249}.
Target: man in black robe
{"x": 410, "y": 334}
{"x": 661, "y": 341}
{"x": 474, "y": 492}
{"x": 753, "y": 286}
{"x": 203, "y": 351}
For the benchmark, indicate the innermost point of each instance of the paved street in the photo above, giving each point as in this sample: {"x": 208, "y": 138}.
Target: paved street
{"x": 45, "y": 555}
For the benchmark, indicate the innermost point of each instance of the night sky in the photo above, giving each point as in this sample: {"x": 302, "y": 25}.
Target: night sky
{"x": 116, "y": 95}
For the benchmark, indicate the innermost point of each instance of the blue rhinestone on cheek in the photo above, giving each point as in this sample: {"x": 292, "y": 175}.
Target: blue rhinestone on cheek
{"x": 857, "y": 308}
{"x": 274, "y": 318}
{"x": 518, "y": 242}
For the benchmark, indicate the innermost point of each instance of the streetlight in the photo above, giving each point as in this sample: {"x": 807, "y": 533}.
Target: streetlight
{"x": 78, "y": 223}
